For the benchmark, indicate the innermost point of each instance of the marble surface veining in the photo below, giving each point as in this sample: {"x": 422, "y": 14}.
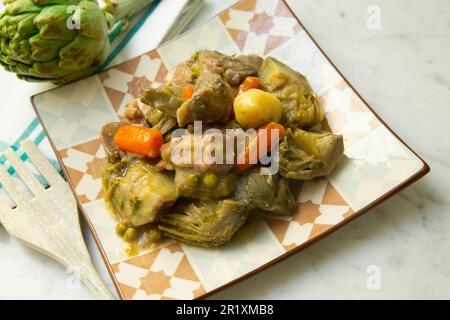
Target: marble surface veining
{"x": 398, "y": 250}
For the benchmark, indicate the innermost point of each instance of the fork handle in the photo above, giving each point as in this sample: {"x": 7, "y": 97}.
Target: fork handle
{"x": 91, "y": 279}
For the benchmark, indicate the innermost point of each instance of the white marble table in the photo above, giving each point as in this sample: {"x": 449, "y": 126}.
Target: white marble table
{"x": 403, "y": 70}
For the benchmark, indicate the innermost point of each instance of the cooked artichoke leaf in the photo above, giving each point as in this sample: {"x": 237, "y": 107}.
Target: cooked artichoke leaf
{"x": 153, "y": 116}
{"x": 212, "y": 101}
{"x": 305, "y": 155}
{"x": 137, "y": 191}
{"x": 269, "y": 193}
{"x": 165, "y": 124}
{"x": 163, "y": 99}
{"x": 204, "y": 185}
{"x": 301, "y": 107}
{"x": 157, "y": 119}
{"x": 207, "y": 224}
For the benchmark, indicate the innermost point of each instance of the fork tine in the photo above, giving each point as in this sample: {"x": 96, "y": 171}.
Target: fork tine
{"x": 41, "y": 162}
{"x": 29, "y": 178}
{"x": 10, "y": 185}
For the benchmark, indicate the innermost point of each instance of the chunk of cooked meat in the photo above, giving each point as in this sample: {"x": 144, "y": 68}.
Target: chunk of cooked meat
{"x": 305, "y": 155}
{"x": 301, "y": 107}
{"x": 204, "y": 185}
{"x": 132, "y": 111}
{"x": 212, "y": 101}
{"x": 206, "y": 61}
{"x": 269, "y": 193}
{"x": 137, "y": 191}
{"x": 210, "y": 155}
{"x": 233, "y": 69}
{"x": 240, "y": 67}
{"x": 207, "y": 224}
{"x": 107, "y": 138}
{"x": 134, "y": 115}
{"x": 180, "y": 76}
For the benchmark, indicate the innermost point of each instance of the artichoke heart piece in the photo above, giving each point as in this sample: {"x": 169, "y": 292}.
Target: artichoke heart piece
{"x": 204, "y": 185}
{"x": 207, "y": 224}
{"x": 137, "y": 192}
{"x": 305, "y": 155}
{"x": 269, "y": 193}
{"x": 301, "y": 107}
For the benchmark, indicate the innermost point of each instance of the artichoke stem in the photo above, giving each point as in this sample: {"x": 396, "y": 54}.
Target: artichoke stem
{"x": 125, "y": 8}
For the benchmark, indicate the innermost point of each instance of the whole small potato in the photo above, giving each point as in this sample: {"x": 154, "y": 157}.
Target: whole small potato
{"x": 255, "y": 107}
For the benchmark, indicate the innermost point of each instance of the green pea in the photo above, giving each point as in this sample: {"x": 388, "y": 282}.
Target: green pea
{"x": 167, "y": 137}
{"x": 192, "y": 179}
{"x": 121, "y": 227}
{"x": 154, "y": 235}
{"x": 130, "y": 235}
{"x": 210, "y": 180}
{"x": 195, "y": 70}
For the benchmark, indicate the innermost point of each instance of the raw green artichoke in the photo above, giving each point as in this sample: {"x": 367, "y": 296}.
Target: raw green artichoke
{"x": 306, "y": 155}
{"x": 58, "y": 40}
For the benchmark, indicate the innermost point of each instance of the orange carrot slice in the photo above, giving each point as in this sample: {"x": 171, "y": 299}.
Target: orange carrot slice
{"x": 249, "y": 83}
{"x": 261, "y": 144}
{"x": 140, "y": 140}
{"x": 188, "y": 91}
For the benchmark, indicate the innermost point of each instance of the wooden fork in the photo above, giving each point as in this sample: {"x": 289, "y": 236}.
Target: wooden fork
{"x": 48, "y": 222}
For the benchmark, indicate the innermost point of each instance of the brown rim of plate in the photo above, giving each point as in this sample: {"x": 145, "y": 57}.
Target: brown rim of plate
{"x": 419, "y": 174}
